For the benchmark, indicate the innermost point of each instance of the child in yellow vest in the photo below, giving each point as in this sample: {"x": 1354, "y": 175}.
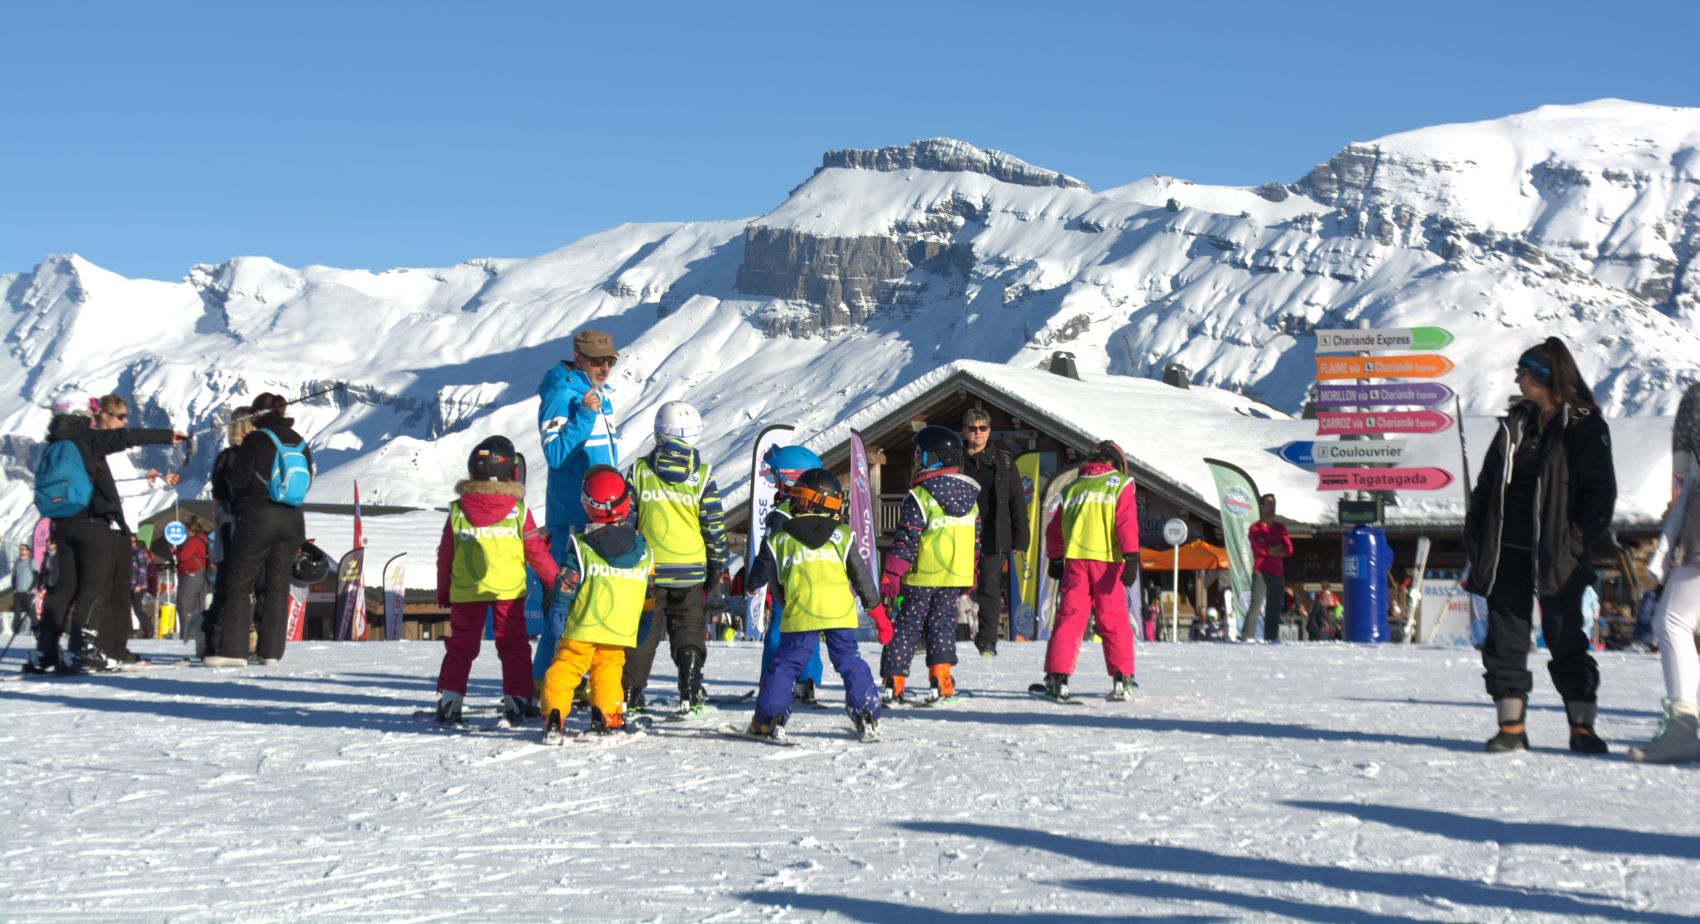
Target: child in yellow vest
{"x": 487, "y": 542}
{"x": 817, "y": 576}
{"x": 932, "y": 562}
{"x": 598, "y": 599}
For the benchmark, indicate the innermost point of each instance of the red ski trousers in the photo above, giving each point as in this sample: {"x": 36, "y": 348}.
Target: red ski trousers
{"x": 466, "y": 635}
{"x": 1089, "y": 586}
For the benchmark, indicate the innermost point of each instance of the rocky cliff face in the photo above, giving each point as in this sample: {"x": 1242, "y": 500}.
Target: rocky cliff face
{"x": 947, "y": 155}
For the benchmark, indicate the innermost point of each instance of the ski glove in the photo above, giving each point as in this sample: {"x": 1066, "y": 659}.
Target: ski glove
{"x": 891, "y": 585}
{"x": 1055, "y": 569}
{"x": 1130, "y": 571}
{"x": 881, "y": 624}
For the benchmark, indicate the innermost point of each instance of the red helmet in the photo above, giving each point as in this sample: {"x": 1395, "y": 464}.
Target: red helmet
{"x": 607, "y": 497}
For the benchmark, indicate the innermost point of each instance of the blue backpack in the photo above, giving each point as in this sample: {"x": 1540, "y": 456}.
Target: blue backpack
{"x": 291, "y": 476}
{"x": 62, "y": 485}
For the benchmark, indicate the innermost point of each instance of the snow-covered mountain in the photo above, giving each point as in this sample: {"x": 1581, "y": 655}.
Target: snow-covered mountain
{"x": 1581, "y": 221}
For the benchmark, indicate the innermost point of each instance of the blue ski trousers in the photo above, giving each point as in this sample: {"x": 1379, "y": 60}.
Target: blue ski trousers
{"x": 795, "y": 650}
{"x": 770, "y": 646}
{"x": 929, "y": 613}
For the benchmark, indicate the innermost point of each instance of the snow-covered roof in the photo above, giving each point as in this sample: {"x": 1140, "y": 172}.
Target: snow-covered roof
{"x": 1167, "y": 432}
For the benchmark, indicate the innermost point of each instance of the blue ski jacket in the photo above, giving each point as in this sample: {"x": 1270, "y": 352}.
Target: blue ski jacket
{"x": 574, "y": 439}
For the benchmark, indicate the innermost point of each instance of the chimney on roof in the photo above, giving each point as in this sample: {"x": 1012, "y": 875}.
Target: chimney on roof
{"x": 1177, "y": 375}
{"x": 1062, "y": 363}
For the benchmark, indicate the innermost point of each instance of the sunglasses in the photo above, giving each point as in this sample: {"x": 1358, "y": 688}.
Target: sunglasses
{"x": 596, "y": 361}
{"x": 978, "y": 428}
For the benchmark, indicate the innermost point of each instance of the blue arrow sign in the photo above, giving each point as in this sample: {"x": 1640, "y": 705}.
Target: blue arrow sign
{"x": 1298, "y": 452}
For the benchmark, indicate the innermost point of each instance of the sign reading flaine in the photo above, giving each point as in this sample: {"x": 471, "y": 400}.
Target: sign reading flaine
{"x": 1393, "y": 338}
{"x": 1403, "y": 394}
{"x": 1381, "y": 367}
{"x": 1322, "y": 452}
{"x": 1382, "y": 479}
{"x": 1357, "y": 423}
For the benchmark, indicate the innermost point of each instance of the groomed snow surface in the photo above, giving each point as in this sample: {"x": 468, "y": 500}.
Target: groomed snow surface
{"x": 1298, "y": 781}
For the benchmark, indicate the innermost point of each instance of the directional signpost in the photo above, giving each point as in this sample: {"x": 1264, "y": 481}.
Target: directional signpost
{"x": 1357, "y": 340}
{"x": 1426, "y": 478}
{"x": 1317, "y": 452}
{"x": 1357, "y": 423}
{"x": 1388, "y": 394}
{"x": 1381, "y": 367}
{"x": 1174, "y": 533}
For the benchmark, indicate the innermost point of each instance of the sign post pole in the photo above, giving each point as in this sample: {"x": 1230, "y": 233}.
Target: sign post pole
{"x": 1174, "y": 533}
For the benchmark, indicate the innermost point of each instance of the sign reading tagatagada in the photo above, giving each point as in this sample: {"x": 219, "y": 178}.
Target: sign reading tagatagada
{"x": 1382, "y": 479}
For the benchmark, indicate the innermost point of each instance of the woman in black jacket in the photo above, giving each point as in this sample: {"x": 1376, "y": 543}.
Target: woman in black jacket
{"x": 86, "y": 538}
{"x": 1544, "y": 497}
{"x": 262, "y": 550}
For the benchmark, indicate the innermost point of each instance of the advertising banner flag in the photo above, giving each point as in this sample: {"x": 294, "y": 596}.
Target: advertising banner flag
{"x": 1236, "y": 500}
{"x": 351, "y": 597}
{"x": 395, "y": 597}
{"x": 764, "y": 494}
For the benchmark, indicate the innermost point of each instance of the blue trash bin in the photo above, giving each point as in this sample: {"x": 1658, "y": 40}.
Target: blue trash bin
{"x": 1365, "y": 560}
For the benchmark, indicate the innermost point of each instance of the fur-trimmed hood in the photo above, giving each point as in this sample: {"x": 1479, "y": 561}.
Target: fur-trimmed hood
{"x": 467, "y": 486}
{"x": 488, "y": 502}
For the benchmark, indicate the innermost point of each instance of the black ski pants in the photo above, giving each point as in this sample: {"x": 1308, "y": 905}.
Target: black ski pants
{"x": 78, "y": 595}
{"x": 680, "y": 612}
{"x": 114, "y": 627}
{"x": 258, "y": 563}
{"x": 209, "y": 619}
{"x": 1505, "y": 651}
{"x": 988, "y": 595}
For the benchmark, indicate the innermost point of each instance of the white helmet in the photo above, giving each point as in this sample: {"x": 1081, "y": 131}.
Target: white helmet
{"x": 679, "y": 421}
{"x": 74, "y": 401}
{"x": 1212, "y": 613}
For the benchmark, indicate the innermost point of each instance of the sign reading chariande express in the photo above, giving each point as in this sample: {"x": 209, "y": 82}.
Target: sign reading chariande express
{"x": 1393, "y": 338}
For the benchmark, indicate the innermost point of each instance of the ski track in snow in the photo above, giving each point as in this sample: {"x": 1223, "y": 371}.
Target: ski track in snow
{"x": 1236, "y": 786}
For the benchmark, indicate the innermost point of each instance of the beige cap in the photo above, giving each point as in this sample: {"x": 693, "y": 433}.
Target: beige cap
{"x": 594, "y": 344}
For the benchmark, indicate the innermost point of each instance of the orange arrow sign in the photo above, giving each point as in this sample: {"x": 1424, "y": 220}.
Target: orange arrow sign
{"x": 1382, "y": 367}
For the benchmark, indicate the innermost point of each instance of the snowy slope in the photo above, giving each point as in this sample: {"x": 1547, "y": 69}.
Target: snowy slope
{"x": 1578, "y": 220}
{"x": 1237, "y": 787}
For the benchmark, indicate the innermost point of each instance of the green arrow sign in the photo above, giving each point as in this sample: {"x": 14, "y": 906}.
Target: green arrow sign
{"x": 1353, "y": 340}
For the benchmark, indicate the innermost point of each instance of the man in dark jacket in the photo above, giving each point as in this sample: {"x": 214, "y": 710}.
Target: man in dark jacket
{"x": 1003, "y": 512}
{"x": 262, "y": 549}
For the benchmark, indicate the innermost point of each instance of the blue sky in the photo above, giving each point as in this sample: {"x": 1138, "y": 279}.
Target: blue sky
{"x": 150, "y": 137}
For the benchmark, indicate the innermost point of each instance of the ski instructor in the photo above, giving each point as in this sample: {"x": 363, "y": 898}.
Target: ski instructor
{"x": 575, "y": 417}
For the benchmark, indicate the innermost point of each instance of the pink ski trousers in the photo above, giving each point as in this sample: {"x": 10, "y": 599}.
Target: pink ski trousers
{"x": 466, "y": 635}
{"x": 1089, "y": 586}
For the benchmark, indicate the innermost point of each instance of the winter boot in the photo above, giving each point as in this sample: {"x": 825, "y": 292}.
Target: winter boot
{"x": 691, "y": 695}
{"x": 892, "y": 690}
{"x": 90, "y": 658}
{"x": 944, "y": 685}
{"x": 1513, "y": 734}
{"x": 515, "y": 710}
{"x": 554, "y": 730}
{"x": 41, "y": 662}
{"x": 606, "y": 724}
{"x": 1582, "y": 737}
{"x": 1121, "y": 688}
{"x": 635, "y": 703}
{"x": 1677, "y": 741}
{"x": 448, "y": 709}
{"x": 803, "y": 693}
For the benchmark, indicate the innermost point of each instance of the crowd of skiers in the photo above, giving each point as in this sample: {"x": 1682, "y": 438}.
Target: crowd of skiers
{"x": 627, "y": 558}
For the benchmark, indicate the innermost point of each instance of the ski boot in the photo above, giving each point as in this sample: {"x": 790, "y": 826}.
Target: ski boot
{"x": 1055, "y": 689}
{"x": 635, "y": 703}
{"x": 803, "y": 693}
{"x": 50, "y": 662}
{"x": 1676, "y": 742}
{"x": 943, "y": 685}
{"x": 1583, "y": 740}
{"x": 606, "y": 724}
{"x": 554, "y": 730}
{"x": 515, "y": 710}
{"x": 88, "y": 658}
{"x": 866, "y": 722}
{"x": 448, "y": 709}
{"x": 1122, "y": 688}
{"x": 1513, "y": 733}
{"x": 774, "y": 729}
{"x": 891, "y": 693}
{"x": 692, "y": 698}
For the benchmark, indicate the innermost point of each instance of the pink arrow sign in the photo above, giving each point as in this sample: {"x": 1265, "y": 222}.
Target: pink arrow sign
{"x": 1350, "y": 423}
{"x": 1382, "y": 479}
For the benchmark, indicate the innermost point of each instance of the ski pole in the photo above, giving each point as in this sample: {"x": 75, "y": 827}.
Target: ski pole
{"x": 8, "y": 648}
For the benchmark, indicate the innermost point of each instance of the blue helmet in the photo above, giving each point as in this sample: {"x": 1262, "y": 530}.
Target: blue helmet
{"x": 787, "y": 462}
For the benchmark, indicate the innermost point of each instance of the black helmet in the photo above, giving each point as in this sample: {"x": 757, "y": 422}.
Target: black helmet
{"x": 311, "y": 566}
{"x": 817, "y": 491}
{"x": 1110, "y": 454}
{"x": 493, "y": 460}
{"x": 936, "y": 447}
